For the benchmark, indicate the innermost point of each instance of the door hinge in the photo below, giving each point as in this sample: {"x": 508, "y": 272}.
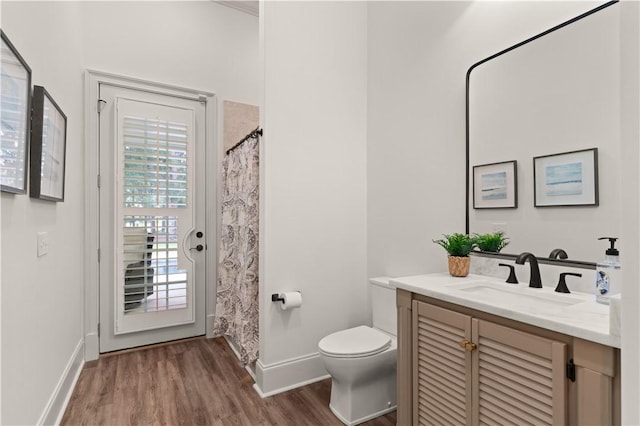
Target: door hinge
{"x": 98, "y": 255}
{"x": 571, "y": 370}
{"x": 101, "y": 104}
{"x": 98, "y": 181}
{"x": 98, "y": 329}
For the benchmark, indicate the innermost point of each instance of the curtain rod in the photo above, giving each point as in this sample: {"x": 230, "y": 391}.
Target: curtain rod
{"x": 254, "y": 134}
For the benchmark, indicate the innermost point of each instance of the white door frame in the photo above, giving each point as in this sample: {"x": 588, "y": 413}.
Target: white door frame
{"x": 93, "y": 79}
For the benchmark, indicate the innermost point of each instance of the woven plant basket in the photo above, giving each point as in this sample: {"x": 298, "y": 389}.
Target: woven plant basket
{"x": 459, "y": 266}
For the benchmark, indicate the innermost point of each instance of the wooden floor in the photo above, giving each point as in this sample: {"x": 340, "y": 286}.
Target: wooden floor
{"x": 193, "y": 382}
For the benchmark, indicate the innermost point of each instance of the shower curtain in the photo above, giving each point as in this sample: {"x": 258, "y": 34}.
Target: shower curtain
{"x": 237, "y": 290}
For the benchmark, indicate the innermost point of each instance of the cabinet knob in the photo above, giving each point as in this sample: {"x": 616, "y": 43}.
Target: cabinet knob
{"x": 467, "y": 345}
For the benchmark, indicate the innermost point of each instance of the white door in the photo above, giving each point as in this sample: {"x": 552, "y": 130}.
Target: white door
{"x": 152, "y": 218}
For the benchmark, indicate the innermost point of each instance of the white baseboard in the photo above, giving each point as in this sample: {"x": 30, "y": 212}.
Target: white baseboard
{"x": 91, "y": 346}
{"x": 251, "y": 372}
{"x": 52, "y": 414}
{"x": 289, "y": 374}
{"x": 209, "y": 326}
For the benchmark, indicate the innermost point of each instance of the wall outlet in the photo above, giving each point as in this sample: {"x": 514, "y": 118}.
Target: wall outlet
{"x": 43, "y": 243}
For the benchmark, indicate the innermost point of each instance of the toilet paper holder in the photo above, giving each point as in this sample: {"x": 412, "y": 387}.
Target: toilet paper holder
{"x": 275, "y": 297}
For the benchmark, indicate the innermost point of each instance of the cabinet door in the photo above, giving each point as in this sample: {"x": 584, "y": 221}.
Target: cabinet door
{"x": 518, "y": 378}
{"x": 441, "y": 366}
{"x": 597, "y": 383}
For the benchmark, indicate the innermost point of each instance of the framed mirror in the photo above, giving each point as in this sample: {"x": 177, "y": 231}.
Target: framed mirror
{"x": 535, "y": 104}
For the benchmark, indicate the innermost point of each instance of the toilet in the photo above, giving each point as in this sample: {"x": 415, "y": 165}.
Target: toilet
{"x": 362, "y": 361}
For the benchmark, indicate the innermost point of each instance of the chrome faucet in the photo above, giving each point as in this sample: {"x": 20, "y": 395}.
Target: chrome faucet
{"x": 534, "y": 277}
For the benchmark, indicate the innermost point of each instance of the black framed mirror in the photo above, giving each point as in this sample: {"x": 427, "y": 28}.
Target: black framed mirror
{"x": 555, "y": 93}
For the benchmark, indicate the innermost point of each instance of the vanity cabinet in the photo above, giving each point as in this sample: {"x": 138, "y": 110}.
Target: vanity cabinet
{"x": 471, "y": 371}
{"x": 460, "y": 366}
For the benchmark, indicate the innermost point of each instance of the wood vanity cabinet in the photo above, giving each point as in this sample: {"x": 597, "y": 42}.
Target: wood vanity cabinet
{"x": 457, "y": 366}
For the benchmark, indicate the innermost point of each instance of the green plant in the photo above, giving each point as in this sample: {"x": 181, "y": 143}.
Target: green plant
{"x": 456, "y": 244}
{"x": 491, "y": 242}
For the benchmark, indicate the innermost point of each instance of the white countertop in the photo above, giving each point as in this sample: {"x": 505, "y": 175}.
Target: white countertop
{"x": 575, "y": 314}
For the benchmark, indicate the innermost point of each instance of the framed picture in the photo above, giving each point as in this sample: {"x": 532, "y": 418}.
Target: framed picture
{"x": 566, "y": 179}
{"x": 48, "y": 146}
{"x": 495, "y": 186}
{"x": 15, "y": 113}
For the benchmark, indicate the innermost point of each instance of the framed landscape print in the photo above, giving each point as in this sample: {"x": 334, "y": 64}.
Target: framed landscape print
{"x": 495, "y": 186}
{"x": 566, "y": 179}
{"x": 15, "y": 114}
{"x": 48, "y": 147}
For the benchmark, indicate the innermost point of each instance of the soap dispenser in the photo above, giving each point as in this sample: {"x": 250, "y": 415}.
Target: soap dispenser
{"x": 607, "y": 273}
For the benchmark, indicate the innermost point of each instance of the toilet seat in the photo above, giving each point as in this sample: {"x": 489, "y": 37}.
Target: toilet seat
{"x": 354, "y": 342}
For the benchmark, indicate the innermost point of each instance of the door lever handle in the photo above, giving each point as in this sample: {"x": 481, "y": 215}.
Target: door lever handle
{"x": 199, "y": 247}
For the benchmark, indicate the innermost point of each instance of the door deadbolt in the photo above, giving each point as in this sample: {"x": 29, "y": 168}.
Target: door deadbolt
{"x": 199, "y": 234}
{"x": 199, "y": 247}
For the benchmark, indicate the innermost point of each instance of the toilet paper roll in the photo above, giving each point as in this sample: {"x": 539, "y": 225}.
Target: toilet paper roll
{"x": 292, "y": 299}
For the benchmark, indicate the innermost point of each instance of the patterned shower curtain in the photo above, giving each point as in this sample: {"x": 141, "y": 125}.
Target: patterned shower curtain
{"x": 237, "y": 291}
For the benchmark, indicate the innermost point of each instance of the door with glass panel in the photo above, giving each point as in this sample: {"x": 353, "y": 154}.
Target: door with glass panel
{"x": 152, "y": 236}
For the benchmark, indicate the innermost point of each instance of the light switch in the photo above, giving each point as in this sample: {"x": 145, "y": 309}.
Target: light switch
{"x": 43, "y": 243}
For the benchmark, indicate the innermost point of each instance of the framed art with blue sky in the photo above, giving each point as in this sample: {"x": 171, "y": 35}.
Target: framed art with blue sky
{"x": 495, "y": 185}
{"x": 566, "y": 179}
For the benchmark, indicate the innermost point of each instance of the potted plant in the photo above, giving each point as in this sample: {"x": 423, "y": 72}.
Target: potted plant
{"x": 458, "y": 246}
{"x": 491, "y": 242}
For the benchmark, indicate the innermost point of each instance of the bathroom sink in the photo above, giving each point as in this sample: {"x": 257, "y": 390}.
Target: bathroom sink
{"x": 518, "y": 296}
{"x": 575, "y": 314}
{"x": 507, "y": 295}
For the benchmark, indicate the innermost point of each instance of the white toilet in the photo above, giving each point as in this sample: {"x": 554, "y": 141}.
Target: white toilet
{"x": 362, "y": 361}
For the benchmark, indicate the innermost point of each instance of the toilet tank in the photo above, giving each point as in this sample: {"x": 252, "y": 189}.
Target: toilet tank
{"x": 383, "y": 304}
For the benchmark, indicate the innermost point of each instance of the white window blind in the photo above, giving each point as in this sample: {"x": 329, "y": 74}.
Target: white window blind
{"x": 154, "y": 160}
{"x": 150, "y": 264}
{"x": 155, "y": 163}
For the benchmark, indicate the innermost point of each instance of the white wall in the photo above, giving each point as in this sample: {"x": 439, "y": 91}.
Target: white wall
{"x": 200, "y": 45}
{"x": 42, "y": 298}
{"x": 313, "y": 182}
{"x": 630, "y": 137}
